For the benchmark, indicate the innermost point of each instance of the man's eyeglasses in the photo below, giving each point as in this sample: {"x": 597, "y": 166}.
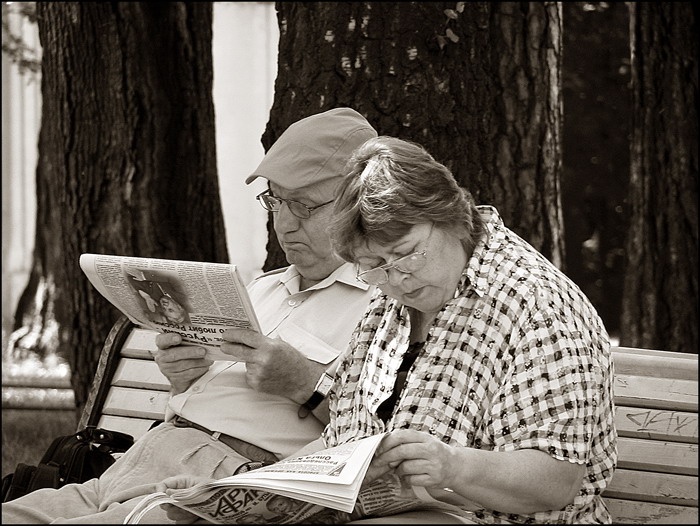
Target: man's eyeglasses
{"x": 272, "y": 203}
{"x": 406, "y": 264}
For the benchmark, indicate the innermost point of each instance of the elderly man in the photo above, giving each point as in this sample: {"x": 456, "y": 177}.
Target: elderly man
{"x": 269, "y": 400}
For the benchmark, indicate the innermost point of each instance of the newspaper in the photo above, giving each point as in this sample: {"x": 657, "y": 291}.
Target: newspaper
{"x": 197, "y": 300}
{"x": 320, "y": 488}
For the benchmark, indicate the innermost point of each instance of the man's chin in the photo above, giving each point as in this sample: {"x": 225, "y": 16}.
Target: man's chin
{"x": 312, "y": 269}
{"x": 301, "y": 257}
{"x": 303, "y": 264}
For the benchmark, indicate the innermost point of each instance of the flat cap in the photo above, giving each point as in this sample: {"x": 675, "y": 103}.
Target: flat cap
{"x": 314, "y": 149}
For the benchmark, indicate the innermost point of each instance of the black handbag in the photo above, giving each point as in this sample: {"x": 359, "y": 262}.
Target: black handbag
{"x": 70, "y": 458}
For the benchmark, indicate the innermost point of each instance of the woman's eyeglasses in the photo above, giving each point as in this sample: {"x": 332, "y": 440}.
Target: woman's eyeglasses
{"x": 272, "y": 203}
{"x": 406, "y": 264}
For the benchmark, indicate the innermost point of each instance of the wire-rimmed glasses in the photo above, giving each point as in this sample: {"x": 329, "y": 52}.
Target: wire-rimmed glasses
{"x": 272, "y": 203}
{"x": 406, "y": 264}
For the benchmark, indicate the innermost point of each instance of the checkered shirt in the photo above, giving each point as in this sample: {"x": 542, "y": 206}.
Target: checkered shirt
{"x": 519, "y": 359}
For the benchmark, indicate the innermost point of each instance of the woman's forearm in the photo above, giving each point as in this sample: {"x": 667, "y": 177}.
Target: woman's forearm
{"x": 523, "y": 481}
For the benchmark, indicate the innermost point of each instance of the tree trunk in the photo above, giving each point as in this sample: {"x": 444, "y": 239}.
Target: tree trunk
{"x": 127, "y": 160}
{"x": 660, "y": 304}
{"x": 476, "y": 83}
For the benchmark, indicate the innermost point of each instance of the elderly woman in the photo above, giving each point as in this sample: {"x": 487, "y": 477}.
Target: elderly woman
{"x": 487, "y": 365}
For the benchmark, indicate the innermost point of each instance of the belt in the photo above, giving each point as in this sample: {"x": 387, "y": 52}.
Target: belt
{"x": 243, "y": 448}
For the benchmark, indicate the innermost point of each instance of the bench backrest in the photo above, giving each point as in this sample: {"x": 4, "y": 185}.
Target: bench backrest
{"x": 129, "y": 393}
{"x": 656, "y": 397}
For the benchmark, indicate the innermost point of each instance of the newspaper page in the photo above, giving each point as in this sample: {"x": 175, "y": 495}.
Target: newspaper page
{"x": 197, "y": 300}
{"x": 300, "y": 487}
{"x": 242, "y": 506}
{"x": 385, "y": 496}
{"x": 388, "y": 495}
{"x": 320, "y": 488}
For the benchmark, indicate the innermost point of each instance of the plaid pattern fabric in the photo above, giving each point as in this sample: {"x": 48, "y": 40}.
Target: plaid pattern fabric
{"x": 519, "y": 359}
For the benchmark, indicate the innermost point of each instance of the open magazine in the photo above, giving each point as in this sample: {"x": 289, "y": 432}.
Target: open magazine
{"x": 197, "y": 300}
{"x": 318, "y": 488}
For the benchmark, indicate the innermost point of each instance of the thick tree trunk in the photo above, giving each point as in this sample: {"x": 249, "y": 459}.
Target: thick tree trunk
{"x": 477, "y": 85}
{"x": 526, "y": 131}
{"x": 660, "y": 305}
{"x": 127, "y": 160}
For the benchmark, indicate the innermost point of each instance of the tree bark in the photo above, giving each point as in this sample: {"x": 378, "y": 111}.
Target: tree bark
{"x": 127, "y": 160}
{"x": 479, "y": 86}
{"x": 660, "y": 304}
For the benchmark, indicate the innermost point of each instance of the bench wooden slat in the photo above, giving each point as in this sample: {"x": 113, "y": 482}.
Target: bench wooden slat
{"x": 656, "y": 393}
{"x": 634, "y": 512}
{"x": 142, "y": 374}
{"x": 657, "y": 424}
{"x": 663, "y": 488}
{"x": 139, "y": 343}
{"x": 657, "y": 455}
{"x": 139, "y": 403}
{"x": 646, "y": 362}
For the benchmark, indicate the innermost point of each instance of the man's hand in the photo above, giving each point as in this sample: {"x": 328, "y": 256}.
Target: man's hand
{"x": 272, "y": 365}
{"x": 176, "y": 514}
{"x": 181, "y": 364}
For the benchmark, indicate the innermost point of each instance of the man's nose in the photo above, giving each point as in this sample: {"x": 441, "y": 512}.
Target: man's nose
{"x": 285, "y": 221}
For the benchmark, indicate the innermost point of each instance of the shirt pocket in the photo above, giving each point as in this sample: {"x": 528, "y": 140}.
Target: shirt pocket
{"x": 311, "y": 346}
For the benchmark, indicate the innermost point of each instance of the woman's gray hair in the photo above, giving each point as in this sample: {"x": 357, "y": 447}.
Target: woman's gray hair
{"x": 392, "y": 185}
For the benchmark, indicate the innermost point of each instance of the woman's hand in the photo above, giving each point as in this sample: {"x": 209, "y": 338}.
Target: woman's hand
{"x": 520, "y": 481}
{"x": 419, "y": 458}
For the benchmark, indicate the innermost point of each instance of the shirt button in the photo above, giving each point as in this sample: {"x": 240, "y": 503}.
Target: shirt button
{"x": 196, "y": 389}
{"x": 292, "y": 303}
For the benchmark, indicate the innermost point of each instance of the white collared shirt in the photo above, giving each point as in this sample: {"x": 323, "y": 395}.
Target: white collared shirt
{"x": 317, "y": 321}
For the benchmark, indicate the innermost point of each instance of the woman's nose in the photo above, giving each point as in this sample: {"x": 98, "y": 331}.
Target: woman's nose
{"x": 395, "y": 276}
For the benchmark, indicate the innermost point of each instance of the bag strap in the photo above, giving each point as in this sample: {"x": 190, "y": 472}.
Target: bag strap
{"x": 113, "y": 441}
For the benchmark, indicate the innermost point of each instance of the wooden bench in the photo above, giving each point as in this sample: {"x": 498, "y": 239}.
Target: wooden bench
{"x": 656, "y": 397}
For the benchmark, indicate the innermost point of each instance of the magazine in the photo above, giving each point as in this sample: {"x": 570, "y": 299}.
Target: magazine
{"x": 321, "y": 487}
{"x": 197, "y": 300}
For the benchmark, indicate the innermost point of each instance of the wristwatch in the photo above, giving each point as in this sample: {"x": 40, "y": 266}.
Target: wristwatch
{"x": 323, "y": 387}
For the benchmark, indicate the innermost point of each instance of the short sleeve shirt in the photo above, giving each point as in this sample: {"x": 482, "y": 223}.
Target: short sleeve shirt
{"x": 317, "y": 321}
{"x": 518, "y": 359}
